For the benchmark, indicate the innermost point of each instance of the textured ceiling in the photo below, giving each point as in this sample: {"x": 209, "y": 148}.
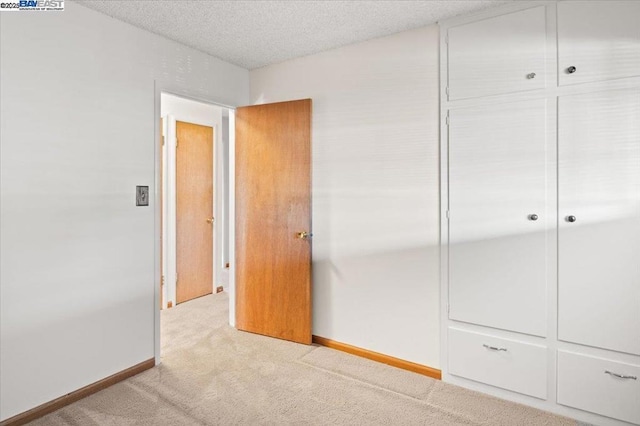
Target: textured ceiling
{"x": 253, "y": 34}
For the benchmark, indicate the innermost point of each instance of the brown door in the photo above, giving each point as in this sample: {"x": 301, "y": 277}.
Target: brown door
{"x": 273, "y": 201}
{"x": 194, "y": 211}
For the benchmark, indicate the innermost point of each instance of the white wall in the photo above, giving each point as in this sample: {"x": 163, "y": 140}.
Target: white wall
{"x": 79, "y": 117}
{"x": 375, "y": 189}
{"x": 175, "y": 108}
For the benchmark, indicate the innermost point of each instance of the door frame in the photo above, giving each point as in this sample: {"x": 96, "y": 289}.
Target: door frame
{"x": 159, "y": 88}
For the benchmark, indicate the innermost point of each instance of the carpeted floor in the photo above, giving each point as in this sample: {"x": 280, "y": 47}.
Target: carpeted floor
{"x": 212, "y": 374}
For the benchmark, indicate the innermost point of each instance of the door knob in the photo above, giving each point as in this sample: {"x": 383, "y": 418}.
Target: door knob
{"x": 571, "y": 69}
{"x": 571, "y": 219}
{"x": 531, "y": 75}
{"x": 304, "y": 235}
{"x": 211, "y": 220}
{"x": 533, "y": 217}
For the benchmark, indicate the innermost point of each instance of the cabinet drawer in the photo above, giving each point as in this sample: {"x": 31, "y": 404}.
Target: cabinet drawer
{"x": 583, "y": 382}
{"x": 509, "y": 364}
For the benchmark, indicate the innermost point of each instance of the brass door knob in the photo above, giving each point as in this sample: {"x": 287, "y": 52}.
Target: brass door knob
{"x": 304, "y": 235}
{"x": 211, "y": 220}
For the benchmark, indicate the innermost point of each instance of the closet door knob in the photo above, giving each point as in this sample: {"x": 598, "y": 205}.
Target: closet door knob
{"x": 531, "y": 75}
{"x": 571, "y": 69}
{"x": 571, "y": 219}
{"x": 533, "y": 217}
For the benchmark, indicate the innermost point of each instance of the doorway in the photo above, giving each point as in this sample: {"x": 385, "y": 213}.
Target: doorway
{"x": 290, "y": 122}
{"x": 193, "y": 201}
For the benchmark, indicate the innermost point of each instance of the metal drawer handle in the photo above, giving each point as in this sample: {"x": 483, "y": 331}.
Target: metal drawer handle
{"x": 494, "y": 348}
{"x": 620, "y": 376}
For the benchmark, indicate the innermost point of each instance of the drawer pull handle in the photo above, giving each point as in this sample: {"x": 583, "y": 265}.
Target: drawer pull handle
{"x": 494, "y": 348}
{"x": 620, "y": 376}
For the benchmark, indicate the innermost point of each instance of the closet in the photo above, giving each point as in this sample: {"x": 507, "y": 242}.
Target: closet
{"x": 540, "y": 106}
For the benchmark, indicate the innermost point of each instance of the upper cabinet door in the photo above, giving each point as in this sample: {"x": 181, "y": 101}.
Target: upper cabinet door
{"x": 499, "y": 55}
{"x": 598, "y": 40}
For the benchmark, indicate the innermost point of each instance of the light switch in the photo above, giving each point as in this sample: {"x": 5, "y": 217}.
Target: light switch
{"x": 142, "y": 195}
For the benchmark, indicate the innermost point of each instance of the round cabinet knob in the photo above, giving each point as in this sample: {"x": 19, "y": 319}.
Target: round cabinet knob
{"x": 533, "y": 217}
{"x": 571, "y": 219}
{"x": 571, "y": 69}
{"x": 531, "y": 75}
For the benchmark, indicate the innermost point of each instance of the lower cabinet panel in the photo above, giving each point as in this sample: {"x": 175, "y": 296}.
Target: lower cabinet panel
{"x": 508, "y": 364}
{"x": 583, "y": 383}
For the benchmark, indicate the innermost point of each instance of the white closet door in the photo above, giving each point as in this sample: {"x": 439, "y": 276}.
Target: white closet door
{"x": 497, "y": 181}
{"x": 600, "y": 39}
{"x": 599, "y": 228}
{"x": 498, "y": 55}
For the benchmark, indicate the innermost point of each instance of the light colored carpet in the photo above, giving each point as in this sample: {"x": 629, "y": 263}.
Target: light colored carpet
{"x": 212, "y": 374}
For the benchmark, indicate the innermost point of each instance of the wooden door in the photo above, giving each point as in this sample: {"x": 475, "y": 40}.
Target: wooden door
{"x": 273, "y": 201}
{"x": 498, "y": 216}
{"x": 194, "y": 211}
{"x": 599, "y": 223}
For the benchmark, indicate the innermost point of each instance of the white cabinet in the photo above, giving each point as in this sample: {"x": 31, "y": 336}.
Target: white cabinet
{"x": 498, "y": 55}
{"x": 508, "y": 364}
{"x": 498, "y": 221}
{"x": 598, "y": 40}
{"x": 541, "y": 206}
{"x": 599, "y": 385}
{"x": 599, "y": 188}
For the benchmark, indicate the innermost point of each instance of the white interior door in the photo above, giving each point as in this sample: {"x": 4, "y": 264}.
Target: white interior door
{"x": 598, "y": 40}
{"x": 498, "y": 55}
{"x": 599, "y": 191}
{"x": 497, "y": 247}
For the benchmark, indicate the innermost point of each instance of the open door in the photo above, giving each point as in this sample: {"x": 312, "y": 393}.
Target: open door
{"x": 273, "y": 220}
